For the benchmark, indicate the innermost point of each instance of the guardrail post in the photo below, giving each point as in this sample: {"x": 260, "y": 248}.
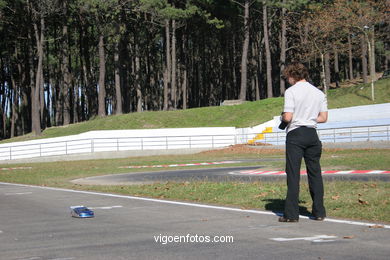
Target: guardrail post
{"x": 212, "y": 141}
{"x": 92, "y": 144}
{"x": 190, "y": 142}
{"x": 10, "y": 152}
{"x": 40, "y": 150}
{"x": 388, "y": 133}
{"x": 368, "y": 133}
{"x": 142, "y": 144}
{"x": 334, "y": 135}
{"x": 66, "y": 147}
{"x": 350, "y": 133}
{"x": 166, "y": 143}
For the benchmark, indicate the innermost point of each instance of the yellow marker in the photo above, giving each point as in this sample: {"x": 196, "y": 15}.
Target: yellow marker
{"x": 260, "y": 136}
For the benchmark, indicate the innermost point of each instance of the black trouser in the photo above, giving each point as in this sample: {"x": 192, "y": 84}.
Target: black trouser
{"x": 303, "y": 142}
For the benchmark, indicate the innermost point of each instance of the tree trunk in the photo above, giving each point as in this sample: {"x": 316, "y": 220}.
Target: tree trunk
{"x": 167, "y": 70}
{"x": 267, "y": 52}
{"x": 327, "y": 69}
{"x": 255, "y": 77}
{"x": 244, "y": 57}
{"x": 364, "y": 59}
{"x": 372, "y": 66}
{"x": 323, "y": 78}
{"x": 387, "y": 57}
{"x": 350, "y": 58}
{"x": 184, "y": 84}
{"x": 35, "y": 93}
{"x": 138, "y": 79}
{"x": 174, "y": 67}
{"x": 260, "y": 70}
{"x": 184, "y": 87}
{"x": 371, "y": 58}
{"x": 118, "y": 93}
{"x": 14, "y": 111}
{"x": 336, "y": 66}
{"x": 65, "y": 88}
{"x": 102, "y": 76}
{"x": 283, "y": 44}
{"x": 42, "y": 84}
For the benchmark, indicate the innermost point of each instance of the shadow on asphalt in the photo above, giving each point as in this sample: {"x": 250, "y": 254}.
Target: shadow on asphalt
{"x": 277, "y": 207}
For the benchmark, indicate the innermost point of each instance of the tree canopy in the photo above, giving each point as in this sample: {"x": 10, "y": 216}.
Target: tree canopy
{"x": 64, "y": 62}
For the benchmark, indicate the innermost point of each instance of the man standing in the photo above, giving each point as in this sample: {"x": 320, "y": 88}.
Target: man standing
{"x": 304, "y": 107}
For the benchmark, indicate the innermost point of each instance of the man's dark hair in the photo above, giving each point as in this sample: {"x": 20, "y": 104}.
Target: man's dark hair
{"x": 296, "y": 70}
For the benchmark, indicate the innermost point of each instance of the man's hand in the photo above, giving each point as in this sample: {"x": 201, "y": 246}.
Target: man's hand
{"x": 287, "y": 117}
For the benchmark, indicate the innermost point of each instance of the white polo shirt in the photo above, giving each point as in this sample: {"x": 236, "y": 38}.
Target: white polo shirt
{"x": 305, "y": 101}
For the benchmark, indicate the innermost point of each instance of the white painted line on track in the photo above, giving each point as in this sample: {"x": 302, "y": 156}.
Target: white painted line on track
{"x": 107, "y": 207}
{"x": 177, "y": 165}
{"x": 313, "y": 238}
{"x": 17, "y": 193}
{"x": 67, "y": 258}
{"x": 188, "y": 204}
{"x": 263, "y": 172}
{"x": 322, "y": 240}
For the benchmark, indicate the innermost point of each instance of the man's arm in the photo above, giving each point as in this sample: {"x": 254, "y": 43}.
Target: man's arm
{"x": 322, "y": 117}
{"x": 287, "y": 117}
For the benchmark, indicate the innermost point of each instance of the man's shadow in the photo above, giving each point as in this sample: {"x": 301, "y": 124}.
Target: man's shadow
{"x": 277, "y": 207}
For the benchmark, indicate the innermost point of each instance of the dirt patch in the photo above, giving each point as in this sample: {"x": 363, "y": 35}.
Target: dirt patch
{"x": 243, "y": 149}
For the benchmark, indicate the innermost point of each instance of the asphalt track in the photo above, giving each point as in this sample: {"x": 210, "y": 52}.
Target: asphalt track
{"x": 211, "y": 174}
{"x": 35, "y": 224}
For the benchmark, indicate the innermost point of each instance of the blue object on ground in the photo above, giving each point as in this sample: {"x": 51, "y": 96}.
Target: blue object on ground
{"x": 81, "y": 212}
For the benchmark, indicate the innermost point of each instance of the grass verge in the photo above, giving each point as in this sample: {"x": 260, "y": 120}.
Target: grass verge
{"x": 352, "y": 199}
{"x": 345, "y": 199}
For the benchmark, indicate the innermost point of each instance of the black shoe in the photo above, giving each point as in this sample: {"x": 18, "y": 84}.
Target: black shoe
{"x": 283, "y": 219}
{"x": 318, "y": 218}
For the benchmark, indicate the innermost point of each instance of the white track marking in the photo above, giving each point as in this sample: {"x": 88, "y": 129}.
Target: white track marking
{"x": 314, "y": 238}
{"x": 263, "y": 172}
{"x": 187, "y": 204}
{"x": 178, "y": 165}
{"x": 107, "y": 207}
{"x": 375, "y": 172}
{"x": 17, "y": 193}
{"x": 344, "y": 172}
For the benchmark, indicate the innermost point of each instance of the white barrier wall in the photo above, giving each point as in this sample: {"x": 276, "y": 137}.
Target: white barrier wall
{"x": 122, "y": 140}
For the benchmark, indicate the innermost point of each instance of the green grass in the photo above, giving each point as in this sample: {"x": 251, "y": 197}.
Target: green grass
{"x": 359, "y": 95}
{"x": 245, "y": 115}
{"x": 344, "y": 199}
{"x": 352, "y": 200}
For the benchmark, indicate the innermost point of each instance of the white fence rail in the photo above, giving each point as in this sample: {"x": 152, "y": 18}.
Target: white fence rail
{"x": 338, "y": 135}
{"x": 91, "y": 145}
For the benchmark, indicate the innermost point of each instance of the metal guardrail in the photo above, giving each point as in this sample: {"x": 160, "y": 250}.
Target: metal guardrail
{"x": 91, "y": 145}
{"x": 338, "y": 135}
